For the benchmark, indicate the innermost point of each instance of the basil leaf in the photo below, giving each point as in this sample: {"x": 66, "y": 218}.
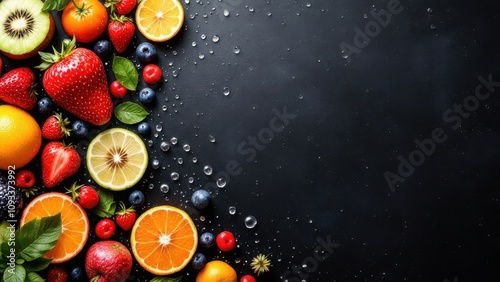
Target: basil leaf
{"x": 125, "y": 72}
{"x": 33, "y": 277}
{"x": 166, "y": 279}
{"x": 54, "y": 5}
{"x": 16, "y": 274}
{"x": 37, "y": 264}
{"x": 37, "y": 237}
{"x": 106, "y": 206}
{"x": 130, "y": 112}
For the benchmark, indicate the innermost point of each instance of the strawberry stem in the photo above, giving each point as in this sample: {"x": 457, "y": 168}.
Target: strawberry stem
{"x": 48, "y": 59}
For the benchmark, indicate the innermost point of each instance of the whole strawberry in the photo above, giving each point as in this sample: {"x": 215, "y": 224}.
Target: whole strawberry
{"x": 75, "y": 79}
{"x": 85, "y": 195}
{"x": 58, "y": 163}
{"x": 17, "y": 87}
{"x": 121, "y": 31}
{"x": 55, "y": 127}
{"x": 121, "y": 7}
{"x": 57, "y": 274}
{"x": 125, "y": 217}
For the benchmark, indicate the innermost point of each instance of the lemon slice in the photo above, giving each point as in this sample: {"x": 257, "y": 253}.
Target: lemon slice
{"x": 117, "y": 159}
{"x": 159, "y": 20}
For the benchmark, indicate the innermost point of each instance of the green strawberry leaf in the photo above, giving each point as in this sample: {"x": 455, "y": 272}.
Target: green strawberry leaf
{"x": 37, "y": 264}
{"x": 125, "y": 72}
{"x": 14, "y": 274}
{"x": 107, "y": 206}
{"x": 54, "y": 5}
{"x": 35, "y": 238}
{"x": 33, "y": 277}
{"x": 166, "y": 279}
{"x": 130, "y": 112}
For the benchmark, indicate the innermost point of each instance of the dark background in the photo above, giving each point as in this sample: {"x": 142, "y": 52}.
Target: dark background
{"x": 322, "y": 177}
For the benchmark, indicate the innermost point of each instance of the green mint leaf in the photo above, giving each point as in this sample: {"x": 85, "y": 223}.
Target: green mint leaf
{"x": 35, "y": 238}
{"x": 33, "y": 277}
{"x": 37, "y": 264}
{"x": 166, "y": 279}
{"x": 14, "y": 274}
{"x": 130, "y": 112}
{"x": 106, "y": 206}
{"x": 125, "y": 72}
{"x": 54, "y": 5}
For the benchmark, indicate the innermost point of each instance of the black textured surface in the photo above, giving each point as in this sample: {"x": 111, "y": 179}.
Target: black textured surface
{"x": 322, "y": 177}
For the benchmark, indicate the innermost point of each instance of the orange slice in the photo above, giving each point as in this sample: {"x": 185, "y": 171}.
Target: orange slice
{"x": 159, "y": 20}
{"x": 75, "y": 223}
{"x": 163, "y": 240}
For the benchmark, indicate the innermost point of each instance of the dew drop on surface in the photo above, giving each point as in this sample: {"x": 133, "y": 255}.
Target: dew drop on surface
{"x": 191, "y": 179}
{"x": 215, "y": 38}
{"x": 232, "y": 210}
{"x": 208, "y": 170}
{"x": 180, "y": 160}
{"x": 174, "y": 176}
{"x": 226, "y": 13}
{"x": 226, "y": 91}
{"x": 212, "y": 138}
{"x": 236, "y": 50}
{"x": 193, "y": 43}
{"x": 250, "y": 222}
{"x": 164, "y": 146}
{"x": 164, "y": 188}
{"x": 151, "y": 186}
{"x": 186, "y": 1}
{"x": 195, "y": 160}
{"x": 186, "y": 147}
{"x": 164, "y": 108}
{"x": 433, "y": 26}
{"x": 269, "y": 14}
{"x": 173, "y": 140}
{"x": 159, "y": 127}
{"x": 155, "y": 164}
{"x": 221, "y": 182}
{"x": 203, "y": 36}
{"x": 429, "y": 10}
{"x": 201, "y": 56}
{"x": 250, "y": 9}
{"x": 150, "y": 143}
{"x": 308, "y": 5}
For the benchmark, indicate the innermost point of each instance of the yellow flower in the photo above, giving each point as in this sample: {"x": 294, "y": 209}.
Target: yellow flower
{"x": 260, "y": 264}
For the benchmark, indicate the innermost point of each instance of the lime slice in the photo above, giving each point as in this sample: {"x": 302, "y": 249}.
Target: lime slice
{"x": 117, "y": 159}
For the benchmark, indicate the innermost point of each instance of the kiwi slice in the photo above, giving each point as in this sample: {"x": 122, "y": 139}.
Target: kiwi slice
{"x": 24, "y": 28}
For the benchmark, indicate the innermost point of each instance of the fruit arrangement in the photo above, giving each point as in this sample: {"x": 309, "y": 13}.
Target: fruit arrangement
{"x": 66, "y": 198}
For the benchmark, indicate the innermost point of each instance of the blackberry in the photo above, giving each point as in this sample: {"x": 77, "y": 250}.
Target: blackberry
{"x": 6, "y": 198}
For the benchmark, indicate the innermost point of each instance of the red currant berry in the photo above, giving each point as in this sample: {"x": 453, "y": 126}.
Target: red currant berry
{"x": 248, "y": 278}
{"x": 151, "y": 74}
{"x": 225, "y": 241}
{"x": 105, "y": 228}
{"x": 117, "y": 89}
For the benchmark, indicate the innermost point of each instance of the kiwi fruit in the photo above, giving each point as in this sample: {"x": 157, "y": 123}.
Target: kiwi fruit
{"x": 24, "y": 28}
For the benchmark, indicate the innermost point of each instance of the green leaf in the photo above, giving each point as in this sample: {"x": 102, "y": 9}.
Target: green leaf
{"x": 125, "y": 72}
{"x": 54, "y": 5}
{"x": 33, "y": 277}
{"x": 4, "y": 231}
{"x": 37, "y": 237}
{"x": 166, "y": 279}
{"x": 130, "y": 112}
{"x": 14, "y": 274}
{"x": 37, "y": 264}
{"x": 106, "y": 206}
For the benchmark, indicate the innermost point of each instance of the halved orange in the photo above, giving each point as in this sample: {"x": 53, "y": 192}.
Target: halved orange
{"x": 159, "y": 20}
{"x": 75, "y": 223}
{"x": 164, "y": 239}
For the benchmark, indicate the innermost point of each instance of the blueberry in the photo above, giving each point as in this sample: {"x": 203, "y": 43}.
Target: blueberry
{"x": 103, "y": 48}
{"x": 136, "y": 198}
{"x": 199, "y": 261}
{"x": 147, "y": 95}
{"x": 80, "y": 128}
{"x": 200, "y": 199}
{"x": 146, "y": 52}
{"x": 207, "y": 240}
{"x": 76, "y": 274}
{"x": 144, "y": 128}
{"x": 45, "y": 105}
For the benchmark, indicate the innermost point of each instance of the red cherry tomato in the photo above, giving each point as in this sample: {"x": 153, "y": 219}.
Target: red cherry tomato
{"x": 248, "y": 278}
{"x": 105, "y": 228}
{"x": 151, "y": 74}
{"x": 225, "y": 241}
{"x": 117, "y": 89}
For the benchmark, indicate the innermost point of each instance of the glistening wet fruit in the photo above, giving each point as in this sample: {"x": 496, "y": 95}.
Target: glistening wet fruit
{"x": 159, "y": 20}
{"x": 108, "y": 261}
{"x": 216, "y": 271}
{"x": 24, "y": 28}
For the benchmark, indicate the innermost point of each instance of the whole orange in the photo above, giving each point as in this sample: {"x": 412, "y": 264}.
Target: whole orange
{"x": 216, "y": 271}
{"x": 20, "y": 137}
{"x": 86, "y": 20}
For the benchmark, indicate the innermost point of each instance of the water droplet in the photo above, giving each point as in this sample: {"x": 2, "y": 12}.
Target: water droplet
{"x": 212, "y": 138}
{"x": 180, "y": 161}
{"x": 215, "y": 38}
{"x": 208, "y": 170}
{"x": 226, "y": 13}
{"x": 164, "y": 146}
{"x": 195, "y": 160}
{"x": 191, "y": 179}
{"x": 186, "y": 147}
{"x": 164, "y": 108}
{"x": 155, "y": 164}
{"x": 174, "y": 73}
{"x": 203, "y": 36}
{"x": 269, "y": 14}
{"x": 232, "y": 210}
{"x": 174, "y": 53}
{"x": 221, "y": 182}
{"x": 150, "y": 143}
{"x": 193, "y": 43}
{"x": 226, "y": 91}
{"x": 429, "y": 10}
{"x": 308, "y": 5}
{"x": 236, "y": 50}
{"x": 250, "y": 9}
{"x": 301, "y": 96}
{"x": 174, "y": 175}
{"x": 365, "y": 16}
{"x": 250, "y": 222}
{"x": 159, "y": 127}
{"x": 201, "y": 56}
{"x": 186, "y": 1}
{"x": 164, "y": 188}
{"x": 433, "y": 26}
{"x": 173, "y": 140}
{"x": 151, "y": 186}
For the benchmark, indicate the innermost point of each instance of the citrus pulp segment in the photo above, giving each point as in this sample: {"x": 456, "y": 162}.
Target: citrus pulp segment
{"x": 117, "y": 159}
{"x": 164, "y": 239}
{"x": 159, "y": 20}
